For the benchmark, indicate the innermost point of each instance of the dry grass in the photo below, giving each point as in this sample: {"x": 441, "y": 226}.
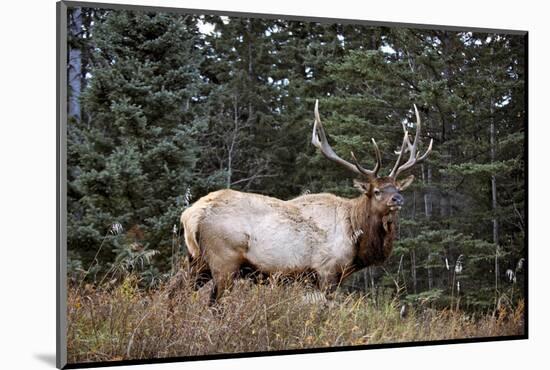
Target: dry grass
{"x": 125, "y": 322}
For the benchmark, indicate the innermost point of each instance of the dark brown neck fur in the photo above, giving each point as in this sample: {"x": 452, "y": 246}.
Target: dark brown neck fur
{"x": 373, "y": 234}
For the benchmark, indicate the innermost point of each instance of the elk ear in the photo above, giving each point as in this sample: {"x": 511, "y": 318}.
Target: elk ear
{"x": 403, "y": 184}
{"x": 363, "y": 186}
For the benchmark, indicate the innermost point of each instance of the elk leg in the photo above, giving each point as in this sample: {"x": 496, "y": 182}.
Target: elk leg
{"x": 200, "y": 272}
{"x": 213, "y": 295}
{"x": 327, "y": 283}
{"x": 222, "y": 282}
{"x": 223, "y": 273}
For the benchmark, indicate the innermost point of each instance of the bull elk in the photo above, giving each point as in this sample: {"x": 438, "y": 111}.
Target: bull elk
{"x": 322, "y": 233}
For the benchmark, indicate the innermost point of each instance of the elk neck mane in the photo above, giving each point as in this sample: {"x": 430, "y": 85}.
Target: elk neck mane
{"x": 372, "y": 233}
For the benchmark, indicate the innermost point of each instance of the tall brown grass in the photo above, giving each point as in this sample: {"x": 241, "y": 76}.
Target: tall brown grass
{"x": 125, "y": 322}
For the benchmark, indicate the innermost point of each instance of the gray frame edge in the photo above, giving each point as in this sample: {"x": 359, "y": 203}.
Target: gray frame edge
{"x": 294, "y": 17}
{"x": 61, "y": 187}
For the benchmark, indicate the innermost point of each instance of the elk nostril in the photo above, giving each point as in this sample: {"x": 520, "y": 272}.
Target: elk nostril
{"x": 398, "y": 198}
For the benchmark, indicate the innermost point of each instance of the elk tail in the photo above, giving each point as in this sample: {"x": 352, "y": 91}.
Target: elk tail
{"x": 190, "y": 221}
{"x": 190, "y": 224}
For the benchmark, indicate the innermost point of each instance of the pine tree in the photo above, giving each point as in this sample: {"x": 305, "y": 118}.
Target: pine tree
{"x": 241, "y": 105}
{"x": 135, "y": 159}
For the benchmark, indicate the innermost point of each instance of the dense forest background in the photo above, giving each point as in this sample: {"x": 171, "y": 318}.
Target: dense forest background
{"x": 164, "y": 108}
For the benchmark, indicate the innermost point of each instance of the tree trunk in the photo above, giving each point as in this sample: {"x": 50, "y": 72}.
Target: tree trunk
{"x": 494, "y": 198}
{"x": 413, "y": 269}
{"x": 427, "y": 180}
{"x": 413, "y": 252}
{"x": 443, "y": 205}
{"x": 372, "y": 286}
{"x": 250, "y": 72}
{"x": 366, "y": 280}
{"x": 233, "y": 142}
{"x": 414, "y": 205}
{"x": 74, "y": 67}
{"x": 428, "y": 211}
{"x": 430, "y": 278}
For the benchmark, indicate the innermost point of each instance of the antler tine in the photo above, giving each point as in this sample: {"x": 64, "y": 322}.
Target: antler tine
{"x": 378, "y": 157}
{"x": 414, "y": 158}
{"x": 400, "y": 153}
{"x": 376, "y": 168}
{"x": 319, "y": 140}
{"x": 314, "y": 138}
{"x": 428, "y": 151}
{"x": 418, "y": 129}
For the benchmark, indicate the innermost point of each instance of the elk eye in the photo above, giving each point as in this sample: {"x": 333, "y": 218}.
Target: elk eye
{"x": 376, "y": 192}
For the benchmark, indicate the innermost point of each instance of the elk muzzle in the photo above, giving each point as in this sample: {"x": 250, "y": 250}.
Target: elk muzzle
{"x": 396, "y": 202}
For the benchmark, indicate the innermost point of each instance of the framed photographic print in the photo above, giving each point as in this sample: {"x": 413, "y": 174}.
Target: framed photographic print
{"x": 235, "y": 185}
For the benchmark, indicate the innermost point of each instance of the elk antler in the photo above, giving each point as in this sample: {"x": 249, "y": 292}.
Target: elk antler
{"x": 319, "y": 140}
{"x": 414, "y": 158}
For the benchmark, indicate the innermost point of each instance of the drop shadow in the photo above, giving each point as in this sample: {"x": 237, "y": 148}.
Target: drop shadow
{"x": 47, "y": 358}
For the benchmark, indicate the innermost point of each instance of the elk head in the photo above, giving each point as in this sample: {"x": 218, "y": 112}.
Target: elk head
{"x": 384, "y": 192}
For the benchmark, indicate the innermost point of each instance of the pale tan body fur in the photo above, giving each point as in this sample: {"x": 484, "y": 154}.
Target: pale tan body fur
{"x": 227, "y": 228}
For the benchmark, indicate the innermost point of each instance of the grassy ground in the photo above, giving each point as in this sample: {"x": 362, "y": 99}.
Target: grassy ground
{"x": 124, "y": 322}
